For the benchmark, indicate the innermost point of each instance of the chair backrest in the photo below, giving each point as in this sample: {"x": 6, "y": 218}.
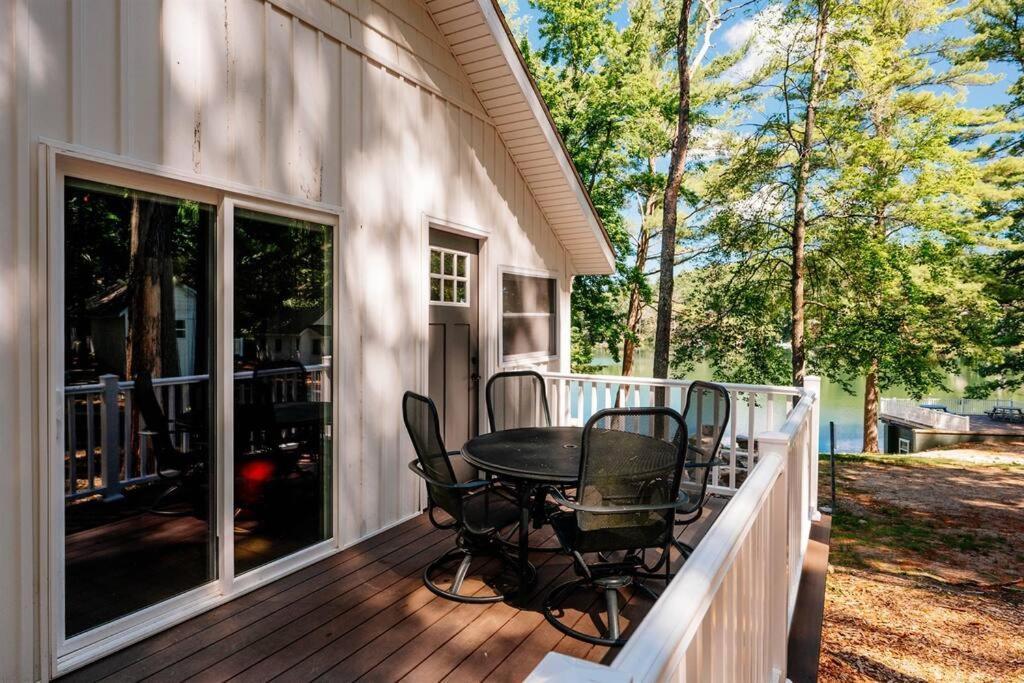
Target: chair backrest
{"x": 631, "y": 456}
{"x": 285, "y": 378}
{"x": 706, "y": 415}
{"x": 152, "y": 414}
{"x": 420, "y": 416}
{"x": 517, "y": 399}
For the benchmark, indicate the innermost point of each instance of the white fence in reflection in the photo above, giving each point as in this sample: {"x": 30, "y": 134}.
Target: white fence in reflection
{"x": 98, "y": 455}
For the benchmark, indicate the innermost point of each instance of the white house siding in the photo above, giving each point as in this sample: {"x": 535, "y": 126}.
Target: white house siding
{"x": 354, "y": 103}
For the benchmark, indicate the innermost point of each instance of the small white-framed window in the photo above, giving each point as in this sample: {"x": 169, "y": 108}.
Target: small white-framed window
{"x": 449, "y": 277}
{"x": 529, "y": 317}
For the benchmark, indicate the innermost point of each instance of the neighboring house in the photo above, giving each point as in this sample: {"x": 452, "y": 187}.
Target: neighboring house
{"x": 107, "y": 317}
{"x": 384, "y": 121}
{"x": 300, "y": 335}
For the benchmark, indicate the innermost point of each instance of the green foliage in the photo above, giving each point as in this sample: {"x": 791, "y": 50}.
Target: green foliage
{"x": 894, "y": 234}
{"x": 998, "y": 26}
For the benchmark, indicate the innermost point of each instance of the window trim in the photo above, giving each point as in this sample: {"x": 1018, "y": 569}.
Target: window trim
{"x": 538, "y": 356}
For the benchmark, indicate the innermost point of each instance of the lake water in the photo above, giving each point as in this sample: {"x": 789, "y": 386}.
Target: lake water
{"x": 838, "y": 406}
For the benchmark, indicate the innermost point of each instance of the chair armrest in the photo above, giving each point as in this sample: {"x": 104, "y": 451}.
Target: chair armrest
{"x": 418, "y": 471}
{"x": 172, "y": 430}
{"x": 616, "y": 509}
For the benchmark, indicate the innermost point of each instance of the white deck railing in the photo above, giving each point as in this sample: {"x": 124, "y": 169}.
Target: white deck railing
{"x": 99, "y": 459}
{"x": 754, "y": 409}
{"x": 965, "y": 406}
{"x": 908, "y": 410}
{"x": 726, "y": 614}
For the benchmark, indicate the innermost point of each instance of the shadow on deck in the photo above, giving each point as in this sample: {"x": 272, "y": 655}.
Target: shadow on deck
{"x": 365, "y": 613}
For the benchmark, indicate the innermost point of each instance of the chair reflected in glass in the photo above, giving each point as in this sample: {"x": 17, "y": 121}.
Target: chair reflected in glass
{"x": 280, "y": 439}
{"x": 630, "y": 468}
{"x": 706, "y": 415}
{"x": 184, "y": 472}
{"x": 477, "y": 510}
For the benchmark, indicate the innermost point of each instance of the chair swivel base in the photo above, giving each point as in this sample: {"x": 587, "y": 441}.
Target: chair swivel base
{"x": 610, "y": 586}
{"x": 465, "y": 557}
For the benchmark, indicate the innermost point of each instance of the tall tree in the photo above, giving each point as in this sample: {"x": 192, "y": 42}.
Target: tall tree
{"x": 583, "y": 74}
{"x": 998, "y": 27}
{"x": 670, "y": 200}
{"x": 822, "y": 9}
{"x": 900, "y": 307}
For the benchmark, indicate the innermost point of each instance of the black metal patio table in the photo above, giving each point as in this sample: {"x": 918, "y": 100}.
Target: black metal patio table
{"x": 537, "y": 456}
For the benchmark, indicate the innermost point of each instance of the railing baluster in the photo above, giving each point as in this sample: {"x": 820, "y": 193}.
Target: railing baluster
{"x": 71, "y": 418}
{"x": 751, "y": 426}
{"x": 110, "y": 430}
{"x": 734, "y": 410}
{"x": 129, "y": 455}
{"x": 90, "y": 443}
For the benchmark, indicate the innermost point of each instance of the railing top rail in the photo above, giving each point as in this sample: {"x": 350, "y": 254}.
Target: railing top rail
{"x": 794, "y": 420}
{"x": 183, "y": 379}
{"x": 658, "y": 382}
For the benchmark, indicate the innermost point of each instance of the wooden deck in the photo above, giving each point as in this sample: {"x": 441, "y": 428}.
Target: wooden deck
{"x": 364, "y": 613}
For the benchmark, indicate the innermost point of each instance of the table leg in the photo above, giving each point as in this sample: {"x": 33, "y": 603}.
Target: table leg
{"x": 524, "y": 536}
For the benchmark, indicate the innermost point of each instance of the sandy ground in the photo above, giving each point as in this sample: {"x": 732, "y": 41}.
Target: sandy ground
{"x": 927, "y": 567}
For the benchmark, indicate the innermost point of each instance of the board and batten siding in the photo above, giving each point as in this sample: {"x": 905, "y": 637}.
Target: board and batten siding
{"x": 354, "y": 103}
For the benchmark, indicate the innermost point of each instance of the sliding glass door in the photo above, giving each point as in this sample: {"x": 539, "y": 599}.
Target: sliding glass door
{"x": 282, "y": 402}
{"x": 193, "y": 342}
{"x": 138, "y": 472}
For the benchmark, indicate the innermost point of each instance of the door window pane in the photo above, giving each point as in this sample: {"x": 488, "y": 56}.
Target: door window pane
{"x": 282, "y": 413}
{"x": 449, "y": 277}
{"x": 138, "y": 474}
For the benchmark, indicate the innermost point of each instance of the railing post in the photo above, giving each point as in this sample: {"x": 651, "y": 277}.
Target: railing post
{"x": 110, "y": 429}
{"x": 325, "y": 379}
{"x": 813, "y": 383}
{"x": 778, "y": 443}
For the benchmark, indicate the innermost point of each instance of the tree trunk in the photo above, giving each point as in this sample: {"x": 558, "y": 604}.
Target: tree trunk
{"x": 871, "y": 409}
{"x": 634, "y": 312}
{"x": 677, "y": 163}
{"x": 151, "y": 345}
{"x": 803, "y": 172}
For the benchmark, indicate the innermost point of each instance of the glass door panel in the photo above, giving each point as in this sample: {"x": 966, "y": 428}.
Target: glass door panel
{"x": 282, "y": 400}
{"x": 138, "y": 316}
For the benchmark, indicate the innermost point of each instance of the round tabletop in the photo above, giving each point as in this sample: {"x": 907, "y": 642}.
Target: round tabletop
{"x": 552, "y": 454}
{"x": 549, "y": 454}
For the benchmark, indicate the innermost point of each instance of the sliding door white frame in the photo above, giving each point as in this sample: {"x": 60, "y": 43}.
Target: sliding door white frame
{"x": 56, "y": 161}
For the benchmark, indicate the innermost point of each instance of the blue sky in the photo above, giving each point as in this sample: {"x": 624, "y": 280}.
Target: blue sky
{"x": 977, "y": 96}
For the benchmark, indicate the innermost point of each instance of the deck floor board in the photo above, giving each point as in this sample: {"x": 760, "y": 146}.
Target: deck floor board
{"x": 364, "y": 614}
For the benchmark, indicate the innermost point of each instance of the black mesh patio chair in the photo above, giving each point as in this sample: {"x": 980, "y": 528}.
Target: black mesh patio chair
{"x": 517, "y": 399}
{"x": 630, "y": 468}
{"x": 477, "y": 511}
{"x": 706, "y": 415}
{"x": 183, "y": 472}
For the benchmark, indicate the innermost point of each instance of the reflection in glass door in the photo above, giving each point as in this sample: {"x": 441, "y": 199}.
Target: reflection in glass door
{"x": 138, "y": 315}
{"x": 282, "y": 403}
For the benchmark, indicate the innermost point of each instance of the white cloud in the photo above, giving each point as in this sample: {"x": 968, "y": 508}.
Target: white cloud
{"x": 764, "y": 35}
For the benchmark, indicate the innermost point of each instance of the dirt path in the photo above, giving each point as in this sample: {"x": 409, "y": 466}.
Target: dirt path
{"x": 927, "y": 568}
